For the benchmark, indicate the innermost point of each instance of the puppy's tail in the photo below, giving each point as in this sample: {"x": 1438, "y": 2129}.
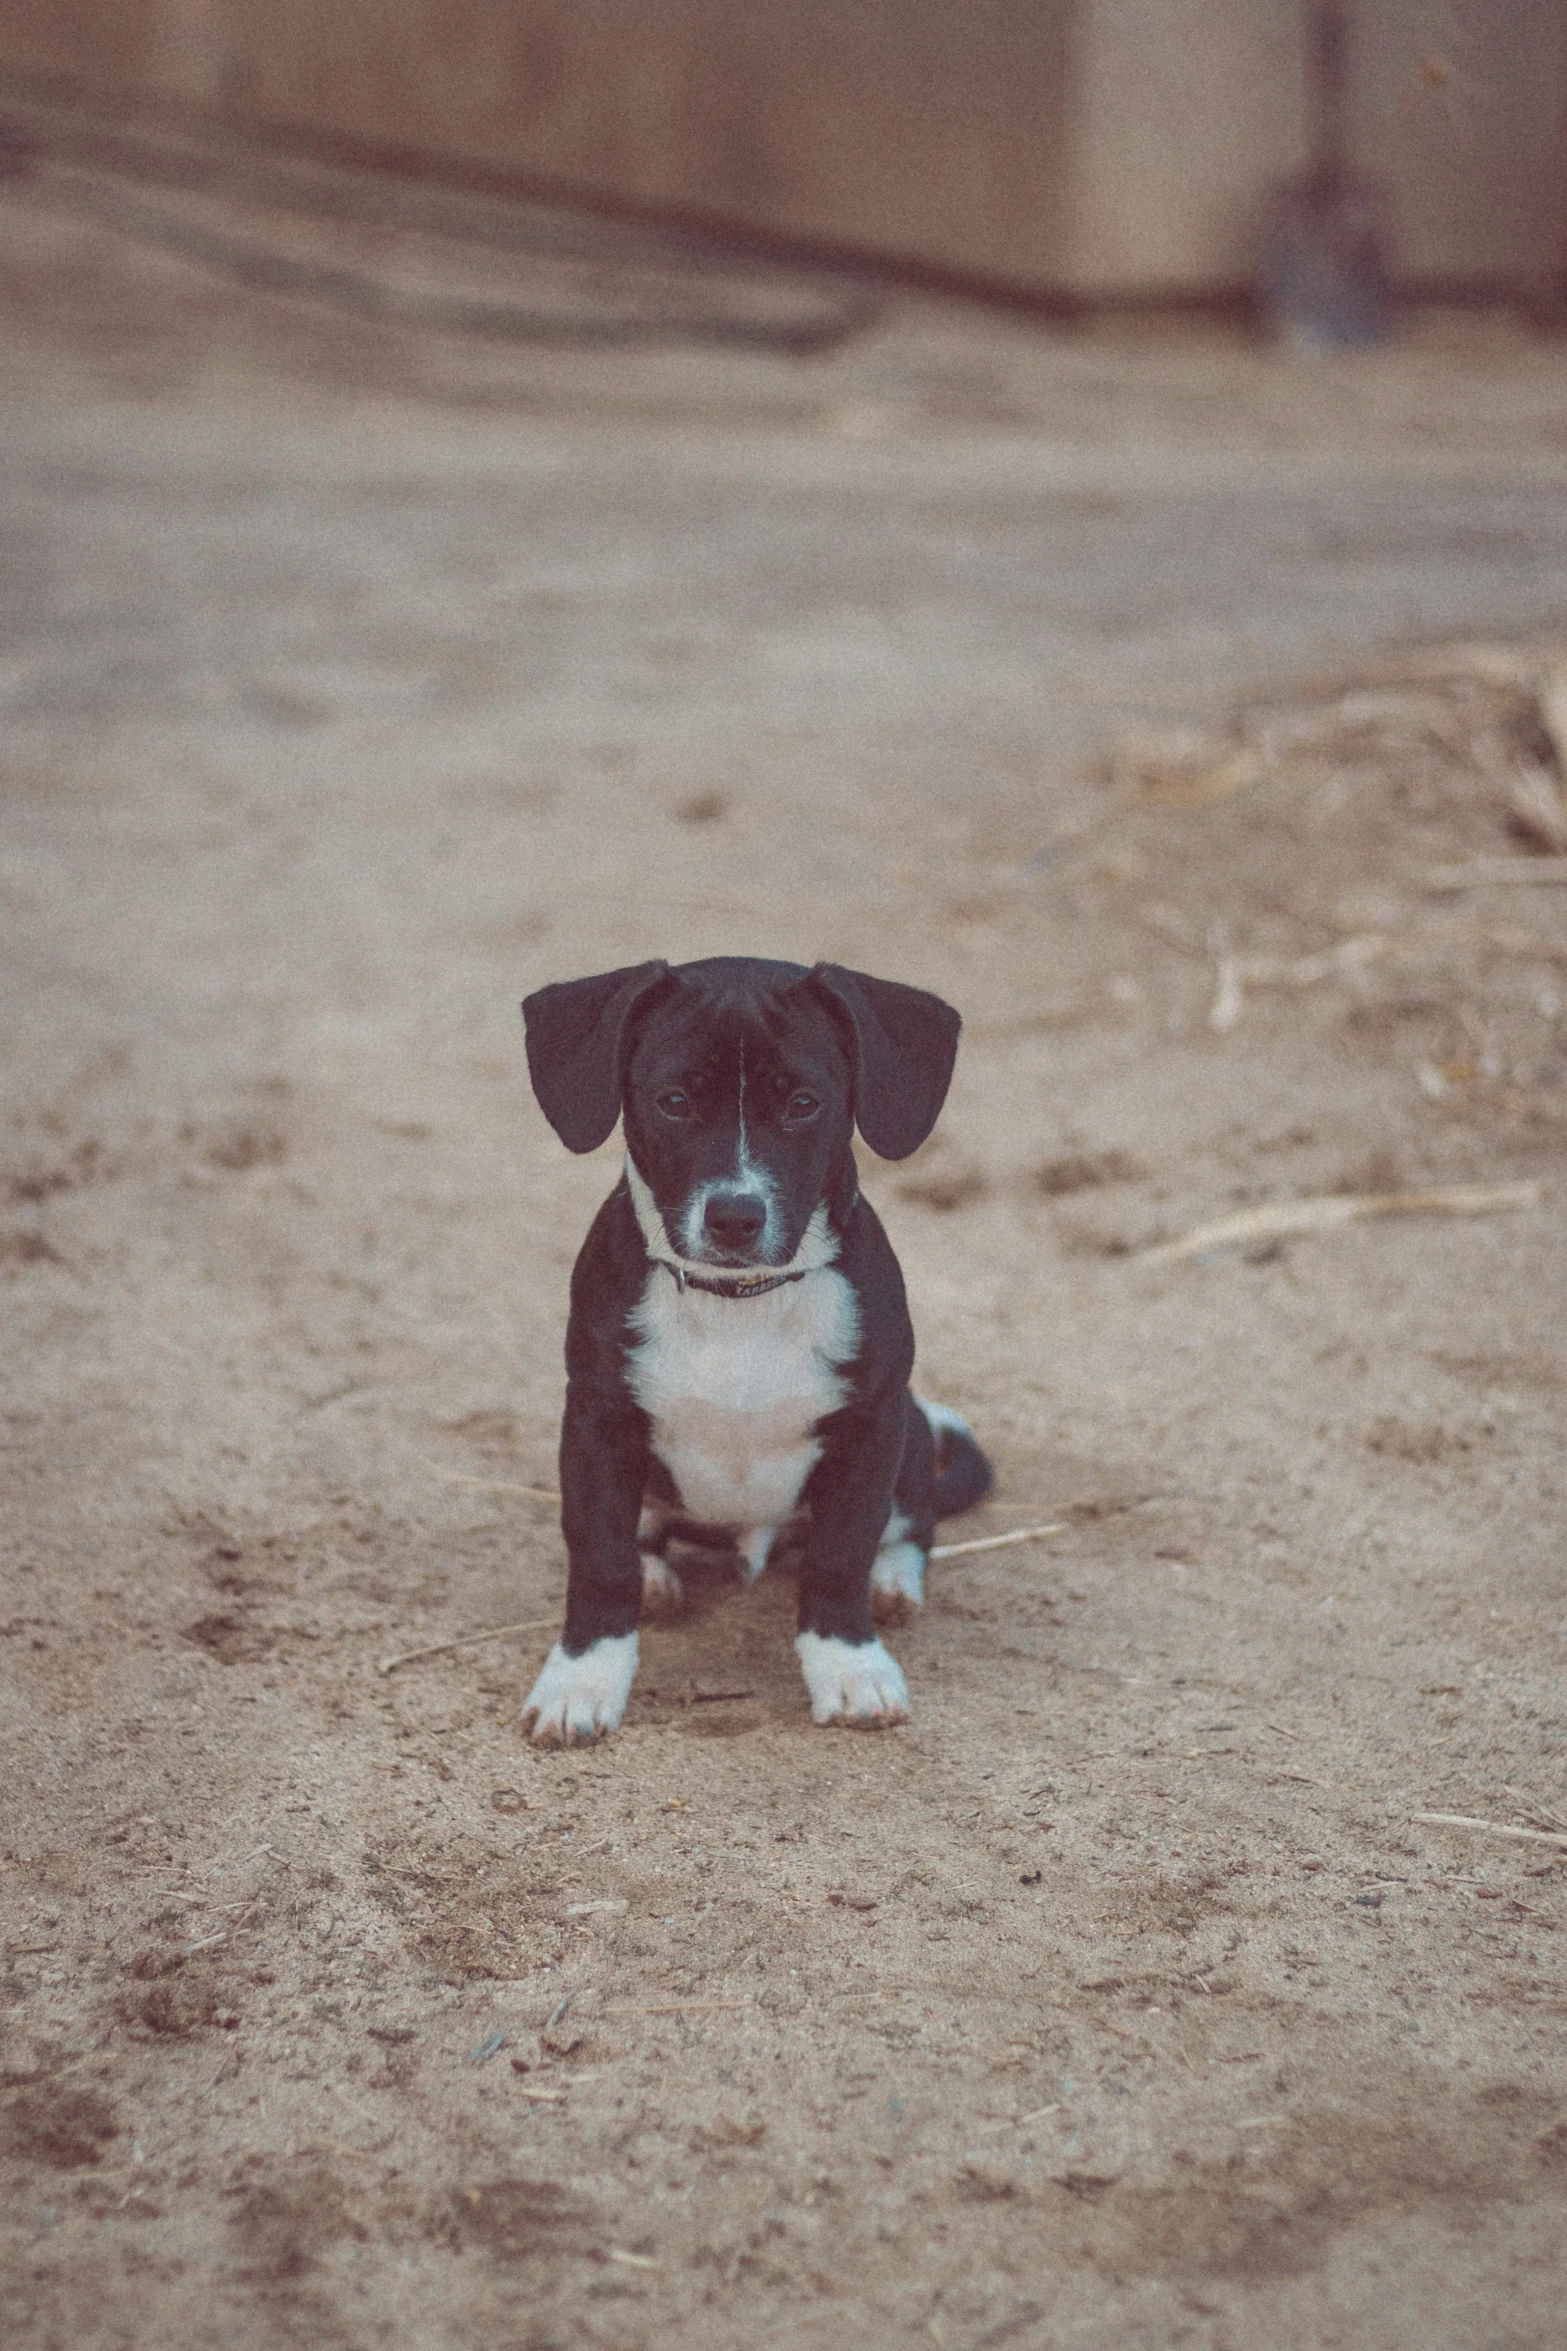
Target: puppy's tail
{"x": 963, "y": 1475}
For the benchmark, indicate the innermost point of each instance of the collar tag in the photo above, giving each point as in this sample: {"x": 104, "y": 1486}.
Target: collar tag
{"x": 732, "y": 1288}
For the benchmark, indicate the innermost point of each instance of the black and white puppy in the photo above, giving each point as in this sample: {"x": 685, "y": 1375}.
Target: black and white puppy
{"x": 739, "y": 1347}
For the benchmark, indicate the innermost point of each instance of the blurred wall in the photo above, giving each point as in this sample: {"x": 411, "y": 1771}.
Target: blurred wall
{"x": 1185, "y": 113}
{"x": 1117, "y": 147}
{"x": 917, "y": 127}
{"x": 1467, "y": 101}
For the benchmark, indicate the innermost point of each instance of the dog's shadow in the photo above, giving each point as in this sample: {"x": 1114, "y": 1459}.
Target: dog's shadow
{"x": 722, "y": 1662}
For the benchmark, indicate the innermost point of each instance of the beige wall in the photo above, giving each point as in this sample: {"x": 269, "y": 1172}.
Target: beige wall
{"x": 1185, "y": 113}
{"x": 1463, "y": 105}
{"x": 104, "y": 44}
{"x": 1106, "y": 146}
{"x": 914, "y": 126}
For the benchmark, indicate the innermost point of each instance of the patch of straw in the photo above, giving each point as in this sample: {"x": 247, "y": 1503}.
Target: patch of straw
{"x": 1182, "y": 768}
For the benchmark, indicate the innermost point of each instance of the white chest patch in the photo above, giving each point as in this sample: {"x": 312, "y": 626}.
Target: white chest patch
{"x": 735, "y": 1387}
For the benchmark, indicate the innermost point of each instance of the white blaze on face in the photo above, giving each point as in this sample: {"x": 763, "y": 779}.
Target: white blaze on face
{"x": 748, "y": 1176}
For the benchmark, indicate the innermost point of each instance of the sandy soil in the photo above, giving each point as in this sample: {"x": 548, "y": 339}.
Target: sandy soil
{"x": 354, "y": 684}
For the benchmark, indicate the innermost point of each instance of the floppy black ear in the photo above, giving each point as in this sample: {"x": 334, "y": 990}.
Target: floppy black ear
{"x": 576, "y": 1035}
{"x": 905, "y": 1042}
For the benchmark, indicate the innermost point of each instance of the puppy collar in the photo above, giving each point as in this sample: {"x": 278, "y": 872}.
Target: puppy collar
{"x": 734, "y": 1288}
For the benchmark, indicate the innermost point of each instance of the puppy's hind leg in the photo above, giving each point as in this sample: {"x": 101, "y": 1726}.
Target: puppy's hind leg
{"x": 898, "y": 1573}
{"x": 663, "y": 1594}
{"x": 963, "y": 1475}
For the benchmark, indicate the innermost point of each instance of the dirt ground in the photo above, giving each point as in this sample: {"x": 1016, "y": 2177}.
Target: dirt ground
{"x": 1126, "y": 687}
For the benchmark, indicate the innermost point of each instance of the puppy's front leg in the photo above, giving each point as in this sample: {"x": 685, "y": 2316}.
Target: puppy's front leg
{"x": 851, "y": 1678}
{"x": 581, "y": 1693}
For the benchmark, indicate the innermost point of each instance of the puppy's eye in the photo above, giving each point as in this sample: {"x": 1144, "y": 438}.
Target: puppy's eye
{"x": 674, "y": 1104}
{"x": 801, "y": 1107}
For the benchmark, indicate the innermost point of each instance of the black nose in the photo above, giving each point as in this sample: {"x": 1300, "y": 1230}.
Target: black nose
{"x": 733, "y": 1218}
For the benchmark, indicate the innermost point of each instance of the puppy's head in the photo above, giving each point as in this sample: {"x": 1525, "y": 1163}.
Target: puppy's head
{"x": 740, "y": 1082}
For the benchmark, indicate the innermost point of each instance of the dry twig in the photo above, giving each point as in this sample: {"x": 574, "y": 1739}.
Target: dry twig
{"x": 458, "y": 1477}
{"x": 1491, "y": 1828}
{"x": 1550, "y": 695}
{"x": 1182, "y": 767}
{"x": 497, "y": 1632}
{"x": 1481, "y": 873}
{"x": 1494, "y": 665}
{"x": 1237, "y": 973}
{"x": 994, "y": 1542}
{"x": 1537, "y": 809}
{"x": 1325, "y": 1213}
{"x": 667, "y": 2007}
{"x": 1527, "y": 943}
{"x": 340, "y": 2147}
{"x": 1229, "y": 997}
{"x": 1544, "y": 1815}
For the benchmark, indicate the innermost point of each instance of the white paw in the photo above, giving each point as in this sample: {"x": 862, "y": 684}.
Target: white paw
{"x": 852, "y": 1681}
{"x": 897, "y": 1582}
{"x": 663, "y": 1594}
{"x": 577, "y": 1699}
